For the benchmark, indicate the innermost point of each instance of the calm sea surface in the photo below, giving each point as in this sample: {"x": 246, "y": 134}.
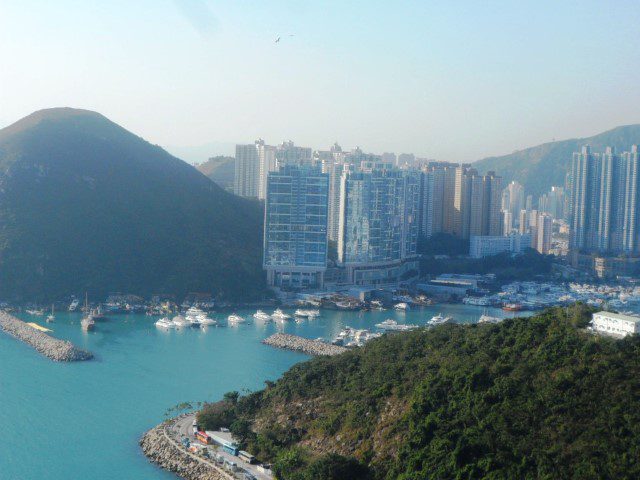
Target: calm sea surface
{"x": 83, "y": 420}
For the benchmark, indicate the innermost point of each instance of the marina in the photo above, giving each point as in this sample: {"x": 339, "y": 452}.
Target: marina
{"x": 149, "y": 369}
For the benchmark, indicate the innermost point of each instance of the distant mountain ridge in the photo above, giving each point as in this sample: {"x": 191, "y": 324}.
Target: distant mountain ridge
{"x": 86, "y": 205}
{"x": 538, "y": 168}
{"x": 220, "y": 169}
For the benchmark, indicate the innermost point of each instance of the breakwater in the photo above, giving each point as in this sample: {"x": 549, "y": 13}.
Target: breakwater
{"x": 304, "y": 345}
{"x": 160, "y": 448}
{"x": 53, "y": 348}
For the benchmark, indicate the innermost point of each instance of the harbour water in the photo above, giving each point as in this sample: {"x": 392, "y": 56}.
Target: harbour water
{"x": 84, "y": 420}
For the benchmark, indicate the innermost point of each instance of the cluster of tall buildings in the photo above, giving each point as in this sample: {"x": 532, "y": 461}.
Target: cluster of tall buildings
{"x": 371, "y": 208}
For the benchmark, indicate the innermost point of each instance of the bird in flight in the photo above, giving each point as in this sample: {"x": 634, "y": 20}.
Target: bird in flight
{"x": 277, "y": 40}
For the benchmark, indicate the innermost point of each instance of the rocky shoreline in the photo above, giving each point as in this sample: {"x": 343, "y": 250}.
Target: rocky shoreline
{"x": 304, "y": 345}
{"x": 166, "y": 453}
{"x": 53, "y": 348}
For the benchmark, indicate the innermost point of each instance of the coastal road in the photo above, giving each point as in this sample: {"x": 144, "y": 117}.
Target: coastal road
{"x": 184, "y": 427}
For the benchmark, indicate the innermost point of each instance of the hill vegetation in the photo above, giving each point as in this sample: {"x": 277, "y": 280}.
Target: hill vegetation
{"x": 539, "y": 168}
{"x": 220, "y": 169}
{"x": 528, "y": 398}
{"x": 86, "y": 205}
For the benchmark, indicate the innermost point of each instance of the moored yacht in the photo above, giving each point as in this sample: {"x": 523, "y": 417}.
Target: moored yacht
{"x": 260, "y": 315}
{"x": 439, "y": 320}
{"x": 73, "y": 306}
{"x": 235, "y": 319}
{"x": 51, "y": 317}
{"x": 180, "y": 322}
{"x": 165, "y": 323}
{"x": 307, "y": 313}
{"x": 206, "y": 321}
{"x": 402, "y": 306}
{"x": 391, "y": 325}
{"x": 280, "y": 315}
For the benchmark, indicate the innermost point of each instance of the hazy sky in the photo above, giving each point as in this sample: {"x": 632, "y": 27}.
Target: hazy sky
{"x": 454, "y": 80}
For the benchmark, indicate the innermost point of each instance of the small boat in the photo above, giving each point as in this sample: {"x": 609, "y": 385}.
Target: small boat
{"x": 73, "y": 306}
{"x": 87, "y": 323}
{"x": 377, "y": 305}
{"x": 206, "y": 321}
{"x": 235, "y": 319}
{"x": 165, "y": 323}
{"x": 179, "y": 321}
{"x": 51, "y": 317}
{"x": 512, "y": 307}
{"x": 307, "y": 313}
{"x": 36, "y": 312}
{"x": 391, "y": 325}
{"x": 98, "y": 314}
{"x": 439, "y": 320}
{"x": 280, "y": 315}
{"x": 402, "y": 306}
{"x": 260, "y": 315}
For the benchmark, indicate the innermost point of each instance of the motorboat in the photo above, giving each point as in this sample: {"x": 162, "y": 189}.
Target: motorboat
{"x": 207, "y": 322}
{"x": 307, "y": 313}
{"x": 439, "y": 320}
{"x": 180, "y": 322}
{"x": 280, "y": 315}
{"x": 73, "y": 306}
{"x": 87, "y": 323}
{"x": 235, "y": 319}
{"x": 35, "y": 312}
{"x": 165, "y": 323}
{"x": 51, "y": 317}
{"x": 260, "y": 315}
{"x": 391, "y": 325}
{"x": 402, "y": 306}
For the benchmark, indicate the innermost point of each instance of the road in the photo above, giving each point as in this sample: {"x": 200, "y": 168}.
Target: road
{"x": 183, "y": 427}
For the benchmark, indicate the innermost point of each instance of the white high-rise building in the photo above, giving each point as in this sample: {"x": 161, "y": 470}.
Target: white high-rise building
{"x": 247, "y": 171}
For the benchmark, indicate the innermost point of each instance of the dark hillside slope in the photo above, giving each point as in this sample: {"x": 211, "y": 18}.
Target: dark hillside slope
{"x": 528, "y": 398}
{"x": 87, "y": 205}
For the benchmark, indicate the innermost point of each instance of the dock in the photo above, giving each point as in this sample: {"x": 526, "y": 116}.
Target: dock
{"x": 303, "y": 345}
{"x": 36, "y": 337}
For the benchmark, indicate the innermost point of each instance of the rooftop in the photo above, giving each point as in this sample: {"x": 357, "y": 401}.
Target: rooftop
{"x": 619, "y": 316}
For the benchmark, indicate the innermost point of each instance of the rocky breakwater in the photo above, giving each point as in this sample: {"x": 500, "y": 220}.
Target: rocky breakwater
{"x": 304, "y": 345}
{"x": 53, "y": 348}
{"x": 160, "y": 448}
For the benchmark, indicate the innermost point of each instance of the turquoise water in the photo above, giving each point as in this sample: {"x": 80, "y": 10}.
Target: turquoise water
{"x": 83, "y": 420}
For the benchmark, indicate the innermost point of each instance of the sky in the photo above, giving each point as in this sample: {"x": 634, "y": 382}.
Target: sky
{"x": 453, "y": 80}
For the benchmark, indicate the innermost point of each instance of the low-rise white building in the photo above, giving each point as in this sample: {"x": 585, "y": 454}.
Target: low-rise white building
{"x": 485, "y": 246}
{"x": 615, "y": 324}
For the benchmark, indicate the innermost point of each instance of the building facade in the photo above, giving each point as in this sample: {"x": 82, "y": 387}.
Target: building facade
{"x": 295, "y": 227}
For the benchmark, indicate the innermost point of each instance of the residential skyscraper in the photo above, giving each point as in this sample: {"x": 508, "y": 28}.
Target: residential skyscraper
{"x": 247, "y": 169}
{"x": 295, "y": 227}
{"x": 544, "y": 227}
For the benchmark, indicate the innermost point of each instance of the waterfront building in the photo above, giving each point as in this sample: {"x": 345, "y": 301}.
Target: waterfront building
{"x": 378, "y": 226}
{"x": 615, "y": 324}
{"x": 295, "y": 227}
{"x": 247, "y": 168}
{"x": 488, "y": 245}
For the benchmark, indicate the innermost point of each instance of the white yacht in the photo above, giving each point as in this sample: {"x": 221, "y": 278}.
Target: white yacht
{"x": 51, "y": 317}
{"x": 179, "y": 321}
{"x": 390, "y": 325}
{"x": 235, "y": 319}
{"x": 307, "y": 313}
{"x": 87, "y": 323}
{"x": 206, "y": 321}
{"x": 280, "y": 315}
{"x": 260, "y": 315}
{"x": 35, "y": 312}
{"x": 165, "y": 323}
{"x": 402, "y": 306}
{"x": 439, "y": 320}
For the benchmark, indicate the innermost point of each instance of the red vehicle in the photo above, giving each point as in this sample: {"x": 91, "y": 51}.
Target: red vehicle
{"x": 202, "y": 437}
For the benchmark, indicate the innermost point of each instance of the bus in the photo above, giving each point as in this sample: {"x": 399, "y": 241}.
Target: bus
{"x": 202, "y": 437}
{"x": 246, "y": 456}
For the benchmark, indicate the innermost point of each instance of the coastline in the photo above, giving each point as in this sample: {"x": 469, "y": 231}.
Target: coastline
{"x": 158, "y": 446}
{"x": 303, "y": 345}
{"x": 52, "y": 348}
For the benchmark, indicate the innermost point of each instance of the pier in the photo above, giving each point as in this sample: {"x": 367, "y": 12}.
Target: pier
{"x": 53, "y": 348}
{"x": 303, "y": 345}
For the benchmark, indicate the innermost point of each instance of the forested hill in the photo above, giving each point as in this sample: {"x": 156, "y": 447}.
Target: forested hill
{"x": 86, "y": 205}
{"x": 539, "y": 168}
{"x": 528, "y": 398}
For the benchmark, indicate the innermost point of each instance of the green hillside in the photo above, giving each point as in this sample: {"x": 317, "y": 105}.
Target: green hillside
{"x": 532, "y": 398}
{"x": 86, "y": 205}
{"x": 538, "y": 168}
{"x": 219, "y": 169}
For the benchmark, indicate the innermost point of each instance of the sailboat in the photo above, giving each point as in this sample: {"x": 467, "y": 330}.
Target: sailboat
{"x": 51, "y": 317}
{"x": 87, "y": 322}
